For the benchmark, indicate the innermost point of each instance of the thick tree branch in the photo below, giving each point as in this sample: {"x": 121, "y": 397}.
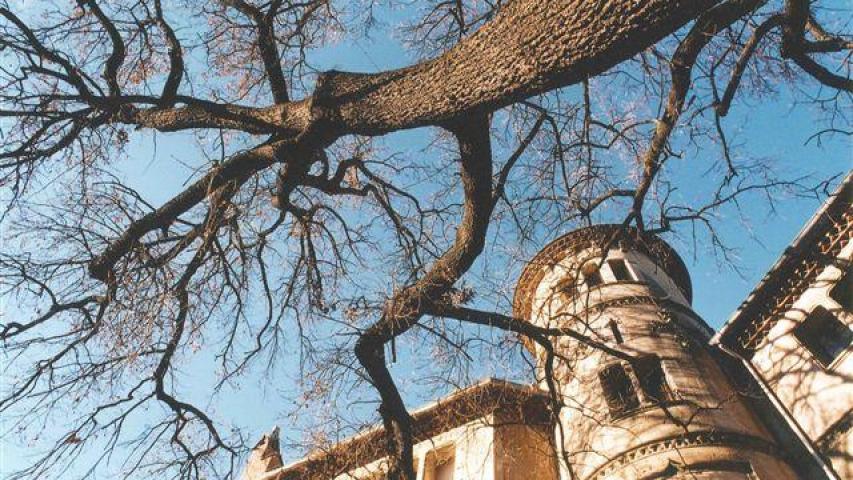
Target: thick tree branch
{"x": 116, "y": 58}
{"x": 267, "y": 44}
{"x": 407, "y": 306}
{"x": 795, "y": 47}
{"x": 724, "y": 104}
{"x": 176, "y": 58}
{"x": 584, "y": 42}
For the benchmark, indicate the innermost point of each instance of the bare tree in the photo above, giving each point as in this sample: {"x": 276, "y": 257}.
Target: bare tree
{"x": 266, "y": 248}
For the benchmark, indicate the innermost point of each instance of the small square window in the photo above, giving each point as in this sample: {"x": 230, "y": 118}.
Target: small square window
{"x": 620, "y": 270}
{"x": 823, "y": 335}
{"x": 618, "y": 390}
{"x": 842, "y": 292}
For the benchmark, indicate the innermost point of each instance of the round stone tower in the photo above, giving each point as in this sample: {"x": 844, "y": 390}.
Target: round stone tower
{"x": 658, "y": 404}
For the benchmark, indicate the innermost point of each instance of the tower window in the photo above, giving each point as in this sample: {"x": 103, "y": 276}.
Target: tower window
{"x": 842, "y": 292}
{"x": 620, "y": 270}
{"x": 618, "y": 390}
{"x": 652, "y": 379}
{"x": 823, "y": 335}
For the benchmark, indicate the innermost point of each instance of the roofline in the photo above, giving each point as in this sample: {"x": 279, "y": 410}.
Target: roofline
{"x": 598, "y": 236}
{"x": 485, "y": 383}
{"x": 835, "y": 198}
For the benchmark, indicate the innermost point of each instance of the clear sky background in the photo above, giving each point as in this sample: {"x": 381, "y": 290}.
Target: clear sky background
{"x": 772, "y": 128}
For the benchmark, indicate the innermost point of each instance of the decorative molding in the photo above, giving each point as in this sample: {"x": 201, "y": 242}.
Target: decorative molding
{"x": 597, "y": 236}
{"x": 677, "y": 470}
{"x": 507, "y": 404}
{"x": 795, "y": 273}
{"x": 690, "y": 440}
{"x": 666, "y": 309}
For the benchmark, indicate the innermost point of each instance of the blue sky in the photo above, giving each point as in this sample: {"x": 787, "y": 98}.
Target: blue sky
{"x": 772, "y": 129}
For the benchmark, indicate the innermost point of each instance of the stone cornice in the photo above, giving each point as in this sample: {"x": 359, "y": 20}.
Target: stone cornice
{"x": 507, "y": 403}
{"x": 690, "y": 440}
{"x": 600, "y": 237}
{"x": 817, "y": 246}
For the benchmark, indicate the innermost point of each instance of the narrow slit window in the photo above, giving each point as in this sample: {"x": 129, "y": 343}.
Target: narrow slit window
{"x": 652, "y": 380}
{"x": 614, "y": 329}
{"x": 620, "y": 270}
{"x": 618, "y": 389}
{"x": 823, "y": 335}
{"x": 842, "y": 292}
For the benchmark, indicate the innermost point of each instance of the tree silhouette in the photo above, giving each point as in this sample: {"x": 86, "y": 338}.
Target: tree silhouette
{"x": 268, "y": 244}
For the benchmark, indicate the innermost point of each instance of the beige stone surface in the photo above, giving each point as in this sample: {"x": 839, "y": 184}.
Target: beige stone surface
{"x": 704, "y": 426}
{"x": 265, "y": 457}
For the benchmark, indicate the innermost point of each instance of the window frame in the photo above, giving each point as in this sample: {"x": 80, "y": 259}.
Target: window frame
{"x": 808, "y": 342}
{"x": 605, "y": 379}
{"x": 641, "y": 394}
{"x": 664, "y": 393}
{"x": 621, "y": 266}
{"x": 437, "y": 457}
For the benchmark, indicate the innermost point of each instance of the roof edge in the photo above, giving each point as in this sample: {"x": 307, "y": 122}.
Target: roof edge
{"x": 812, "y": 229}
{"x": 601, "y": 235}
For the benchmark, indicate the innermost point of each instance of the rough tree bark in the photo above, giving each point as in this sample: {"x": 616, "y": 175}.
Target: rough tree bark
{"x": 529, "y": 47}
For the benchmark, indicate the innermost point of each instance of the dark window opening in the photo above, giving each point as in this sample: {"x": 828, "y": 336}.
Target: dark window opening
{"x": 823, "y": 335}
{"x": 618, "y": 390}
{"x": 620, "y": 270}
{"x": 652, "y": 380}
{"x": 842, "y": 292}
{"x": 614, "y": 329}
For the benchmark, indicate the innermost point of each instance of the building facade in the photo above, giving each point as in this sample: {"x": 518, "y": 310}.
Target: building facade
{"x": 647, "y": 390}
{"x": 656, "y": 404}
{"x": 794, "y": 334}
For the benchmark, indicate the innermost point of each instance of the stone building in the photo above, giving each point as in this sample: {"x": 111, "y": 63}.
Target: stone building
{"x": 647, "y": 390}
{"x": 793, "y": 333}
